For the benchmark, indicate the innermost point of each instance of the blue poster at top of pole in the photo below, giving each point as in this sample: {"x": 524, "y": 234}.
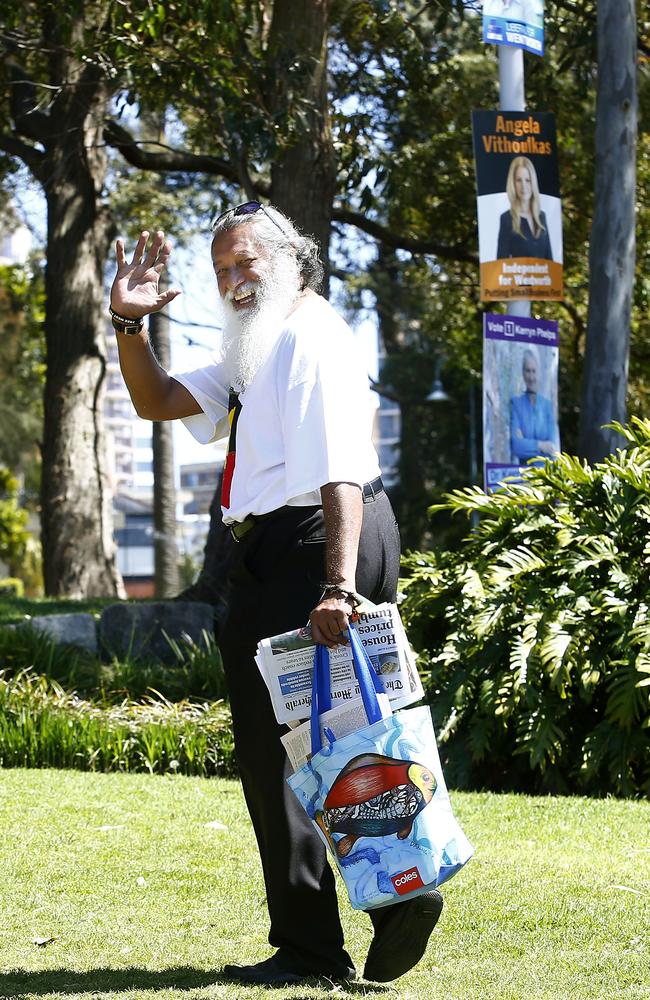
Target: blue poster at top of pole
{"x": 515, "y": 22}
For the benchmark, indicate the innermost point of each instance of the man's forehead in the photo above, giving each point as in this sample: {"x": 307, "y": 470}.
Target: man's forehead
{"x": 240, "y": 240}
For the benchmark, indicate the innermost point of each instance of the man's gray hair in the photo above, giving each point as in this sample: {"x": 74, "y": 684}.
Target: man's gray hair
{"x": 529, "y": 353}
{"x": 279, "y": 234}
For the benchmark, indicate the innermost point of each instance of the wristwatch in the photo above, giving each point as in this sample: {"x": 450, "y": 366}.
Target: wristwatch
{"x": 125, "y": 325}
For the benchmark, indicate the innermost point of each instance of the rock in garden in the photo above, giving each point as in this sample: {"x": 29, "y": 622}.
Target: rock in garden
{"x": 141, "y": 630}
{"x": 74, "y": 629}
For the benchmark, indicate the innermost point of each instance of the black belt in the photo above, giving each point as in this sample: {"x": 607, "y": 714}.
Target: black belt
{"x": 371, "y": 490}
{"x": 241, "y": 528}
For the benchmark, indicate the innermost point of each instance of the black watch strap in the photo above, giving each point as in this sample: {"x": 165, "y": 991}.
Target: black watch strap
{"x": 125, "y": 325}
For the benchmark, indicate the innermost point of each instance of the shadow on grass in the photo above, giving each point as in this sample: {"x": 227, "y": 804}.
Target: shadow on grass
{"x": 15, "y": 984}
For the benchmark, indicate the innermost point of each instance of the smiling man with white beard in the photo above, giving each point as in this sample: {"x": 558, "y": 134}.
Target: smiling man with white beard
{"x": 303, "y": 498}
{"x": 250, "y": 333}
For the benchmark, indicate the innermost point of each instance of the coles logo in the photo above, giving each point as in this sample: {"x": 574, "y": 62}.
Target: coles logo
{"x": 407, "y": 881}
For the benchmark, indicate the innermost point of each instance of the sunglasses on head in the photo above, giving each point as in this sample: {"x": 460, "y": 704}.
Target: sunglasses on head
{"x": 247, "y": 208}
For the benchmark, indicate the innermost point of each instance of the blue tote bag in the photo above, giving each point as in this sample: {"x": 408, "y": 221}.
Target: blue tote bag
{"x": 377, "y": 796}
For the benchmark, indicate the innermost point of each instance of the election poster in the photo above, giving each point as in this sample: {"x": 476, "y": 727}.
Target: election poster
{"x": 520, "y": 395}
{"x": 515, "y": 22}
{"x": 519, "y": 206}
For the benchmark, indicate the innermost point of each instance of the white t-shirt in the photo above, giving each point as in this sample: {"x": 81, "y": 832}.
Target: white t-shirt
{"x": 305, "y": 420}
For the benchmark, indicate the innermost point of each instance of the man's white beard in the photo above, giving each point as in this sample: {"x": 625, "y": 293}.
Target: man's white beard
{"x": 250, "y": 335}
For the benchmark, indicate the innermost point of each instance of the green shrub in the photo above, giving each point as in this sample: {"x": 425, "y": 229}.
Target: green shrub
{"x": 13, "y": 522}
{"x": 42, "y": 725}
{"x": 132, "y": 714}
{"x": 25, "y": 648}
{"x": 11, "y": 586}
{"x": 197, "y": 673}
{"x": 537, "y": 634}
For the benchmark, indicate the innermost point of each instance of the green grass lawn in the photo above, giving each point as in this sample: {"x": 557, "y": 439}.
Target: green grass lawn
{"x": 144, "y": 899}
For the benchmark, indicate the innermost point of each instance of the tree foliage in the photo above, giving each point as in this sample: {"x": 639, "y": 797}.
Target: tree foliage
{"x": 14, "y": 538}
{"x": 537, "y": 634}
{"x": 413, "y": 128}
{"x": 385, "y": 155}
{"x": 22, "y": 368}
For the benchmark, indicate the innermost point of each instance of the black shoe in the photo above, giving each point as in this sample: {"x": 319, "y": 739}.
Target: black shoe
{"x": 267, "y": 973}
{"x": 273, "y": 972}
{"x": 401, "y": 937}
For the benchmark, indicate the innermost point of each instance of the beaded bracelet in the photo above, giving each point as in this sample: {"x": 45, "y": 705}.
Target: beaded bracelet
{"x": 347, "y": 595}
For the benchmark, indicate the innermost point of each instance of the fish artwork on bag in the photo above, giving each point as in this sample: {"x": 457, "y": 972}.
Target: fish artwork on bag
{"x": 374, "y": 796}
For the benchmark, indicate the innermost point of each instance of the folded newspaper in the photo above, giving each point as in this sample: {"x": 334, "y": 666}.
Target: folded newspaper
{"x": 286, "y": 664}
{"x": 339, "y": 721}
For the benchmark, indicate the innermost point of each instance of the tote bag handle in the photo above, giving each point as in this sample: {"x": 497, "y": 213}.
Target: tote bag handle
{"x": 370, "y": 685}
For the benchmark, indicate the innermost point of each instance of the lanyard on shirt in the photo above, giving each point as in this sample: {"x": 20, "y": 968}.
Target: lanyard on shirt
{"x": 234, "y": 409}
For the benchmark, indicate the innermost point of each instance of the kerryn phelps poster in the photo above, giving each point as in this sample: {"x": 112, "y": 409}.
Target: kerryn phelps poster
{"x": 519, "y": 206}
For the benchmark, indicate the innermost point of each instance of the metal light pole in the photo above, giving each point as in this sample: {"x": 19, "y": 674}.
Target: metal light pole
{"x": 512, "y": 97}
{"x": 473, "y": 450}
{"x": 438, "y": 394}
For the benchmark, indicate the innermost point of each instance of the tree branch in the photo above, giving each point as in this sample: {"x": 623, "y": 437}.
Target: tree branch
{"x": 384, "y": 390}
{"x": 398, "y": 242}
{"x": 168, "y": 159}
{"x": 31, "y": 157}
{"x": 28, "y": 120}
{"x": 578, "y": 321}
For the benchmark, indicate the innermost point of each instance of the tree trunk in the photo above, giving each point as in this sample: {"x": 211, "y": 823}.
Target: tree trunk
{"x": 303, "y": 173}
{"x": 612, "y": 248}
{"x": 303, "y": 180}
{"x": 77, "y": 526}
{"x": 164, "y": 489}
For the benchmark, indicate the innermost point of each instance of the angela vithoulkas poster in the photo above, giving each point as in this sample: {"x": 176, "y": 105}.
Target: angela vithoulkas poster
{"x": 519, "y": 206}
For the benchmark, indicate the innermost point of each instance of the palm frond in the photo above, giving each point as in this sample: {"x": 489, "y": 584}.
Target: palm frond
{"x": 540, "y": 625}
{"x": 514, "y": 563}
{"x": 626, "y": 699}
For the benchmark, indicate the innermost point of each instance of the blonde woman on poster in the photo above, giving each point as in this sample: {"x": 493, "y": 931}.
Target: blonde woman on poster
{"x": 523, "y": 230}
{"x": 518, "y": 205}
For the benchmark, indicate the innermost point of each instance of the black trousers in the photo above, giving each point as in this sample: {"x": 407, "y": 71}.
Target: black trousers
{"x": 275, "y": 582}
